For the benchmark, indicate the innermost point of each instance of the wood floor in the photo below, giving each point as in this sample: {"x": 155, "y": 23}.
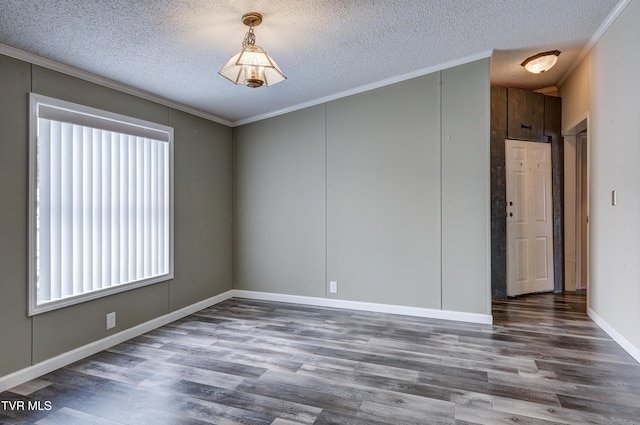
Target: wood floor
{"x": 251, "y": 362}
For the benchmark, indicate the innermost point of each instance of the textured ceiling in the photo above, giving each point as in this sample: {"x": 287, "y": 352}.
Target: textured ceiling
{"x": 173, "y": 49}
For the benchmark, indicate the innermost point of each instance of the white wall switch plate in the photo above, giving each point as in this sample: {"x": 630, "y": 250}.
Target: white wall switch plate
{"x": 333, "y": 287}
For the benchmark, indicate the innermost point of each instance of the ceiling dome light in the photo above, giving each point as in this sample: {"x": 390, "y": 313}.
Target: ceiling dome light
{"x": 541, "y": 62}
{"x": 252, "y": 66}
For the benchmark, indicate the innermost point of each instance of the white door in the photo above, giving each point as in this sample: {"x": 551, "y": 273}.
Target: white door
{"x": 529, "y": 217}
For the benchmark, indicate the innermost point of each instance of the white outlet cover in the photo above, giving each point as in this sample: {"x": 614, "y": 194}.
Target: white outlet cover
{"x": 111, "y": 320}
{"x": 333, "y": 287}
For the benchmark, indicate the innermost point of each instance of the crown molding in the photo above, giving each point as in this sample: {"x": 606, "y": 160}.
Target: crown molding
{"x": 602, "y": 29}
{"x": 106, "y": 82}
{"x": 368, "y": 87}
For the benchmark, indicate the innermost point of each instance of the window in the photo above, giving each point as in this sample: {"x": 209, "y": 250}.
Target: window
{"x": 101, "y": 204}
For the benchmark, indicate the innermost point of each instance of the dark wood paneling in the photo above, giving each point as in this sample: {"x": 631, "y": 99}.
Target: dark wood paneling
{"x": 552, "y": 116}
{"x": 498, "y": 218}
{"x": 498, "y": 193}
{"x": 552, "y": 126}
{"x": 525, "y": 115}
{"x": 535, "y": 114}
{"x": 516, "y": 114}
{"x": 498, "y": 108}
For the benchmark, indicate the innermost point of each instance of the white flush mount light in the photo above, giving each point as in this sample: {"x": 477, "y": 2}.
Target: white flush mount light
{"x": 252, "y": 66}
{"x": 541, "y": 62}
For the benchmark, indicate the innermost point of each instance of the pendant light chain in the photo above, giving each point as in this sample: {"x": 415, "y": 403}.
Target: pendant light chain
{"x": 249, "y": 38}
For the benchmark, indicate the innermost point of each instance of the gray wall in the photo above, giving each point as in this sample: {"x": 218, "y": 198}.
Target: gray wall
{"x": 606, "y": 88}
{"x": 466, "y": 251}
{"x": 279, "y": 177}
{"x": 15, "y": 326}
{"x": 203, "y": 213}
{"x": 385, "y": 192}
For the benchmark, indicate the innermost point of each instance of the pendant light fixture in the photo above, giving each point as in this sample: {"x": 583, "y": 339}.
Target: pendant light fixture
{"x": 252, "y": 66}
{"x": 541, "y": 62}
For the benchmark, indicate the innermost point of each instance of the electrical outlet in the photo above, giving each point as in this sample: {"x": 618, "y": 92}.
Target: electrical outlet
{"x": 111, "y": 320}
{"x": 333, "y": 287}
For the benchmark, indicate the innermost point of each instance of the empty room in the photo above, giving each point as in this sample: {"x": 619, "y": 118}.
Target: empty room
{"x": 319, "y": 212}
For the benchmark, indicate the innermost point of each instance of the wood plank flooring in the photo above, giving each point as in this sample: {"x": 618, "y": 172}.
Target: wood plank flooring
{"x": 252, "y": 362}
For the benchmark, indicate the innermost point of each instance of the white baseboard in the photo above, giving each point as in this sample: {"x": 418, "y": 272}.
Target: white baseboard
{"x": 42, "y": 368}
{"x": 358, "y": 305}
{"x": 615, "y": 335}
{"x": 39, "y": 369}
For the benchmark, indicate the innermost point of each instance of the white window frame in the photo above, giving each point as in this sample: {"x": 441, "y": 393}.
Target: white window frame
{"x": 89, "y": 117}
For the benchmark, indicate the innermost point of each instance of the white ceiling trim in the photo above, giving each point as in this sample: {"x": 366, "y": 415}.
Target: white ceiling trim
{"x": 93, "y": 78}
{"x": 594, "y": 39}
{"x": 87, "y": 76}
{"x": 106, "y": 82}
{"x": 368, "y": 87}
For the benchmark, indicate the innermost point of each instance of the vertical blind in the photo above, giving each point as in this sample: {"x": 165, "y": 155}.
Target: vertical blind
{"x": 103, "y": 206}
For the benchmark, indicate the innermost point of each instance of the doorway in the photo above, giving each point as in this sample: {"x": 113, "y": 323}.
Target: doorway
{"x": 582, "y": 212}
{"x": 577, "y": 189}
{"x": 529, "y": 217}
